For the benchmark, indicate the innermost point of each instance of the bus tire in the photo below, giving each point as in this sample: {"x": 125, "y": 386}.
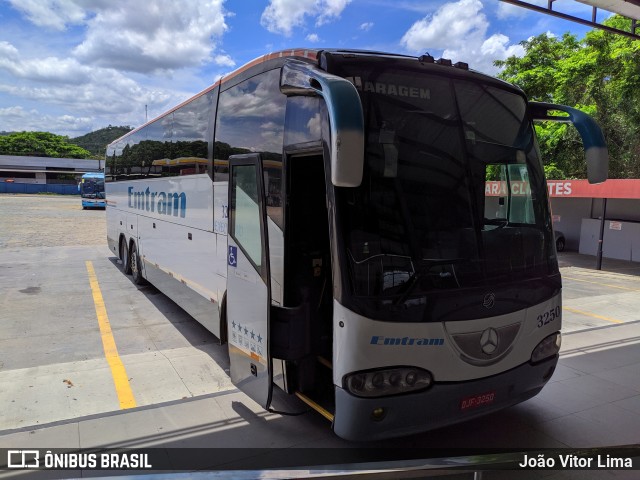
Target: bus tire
{"x": 124, "y": 256}
{"x": 134, "y": 264}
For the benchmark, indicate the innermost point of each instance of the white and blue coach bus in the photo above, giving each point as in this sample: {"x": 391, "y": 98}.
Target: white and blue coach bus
{"x": 91, "y": 188}
{"x": 325, "y": 213}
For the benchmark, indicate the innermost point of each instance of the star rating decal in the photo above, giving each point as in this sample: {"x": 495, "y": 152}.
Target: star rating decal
{"x": 246, "y": 331}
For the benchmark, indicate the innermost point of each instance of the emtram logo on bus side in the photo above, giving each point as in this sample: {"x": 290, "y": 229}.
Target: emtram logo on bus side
{"x": 381, "y": 340}
{"x": 164, "y": 203}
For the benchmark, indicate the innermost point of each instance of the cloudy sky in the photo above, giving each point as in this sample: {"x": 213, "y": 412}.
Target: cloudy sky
{"x": 74, "y": 66}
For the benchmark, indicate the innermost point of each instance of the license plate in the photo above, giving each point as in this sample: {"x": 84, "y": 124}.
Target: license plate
{"x": 475, "y": 401}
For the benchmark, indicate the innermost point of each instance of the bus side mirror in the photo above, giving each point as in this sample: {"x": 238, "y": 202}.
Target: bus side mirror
{"x": 346, "y": 120}
{"x": 595, "y": 146}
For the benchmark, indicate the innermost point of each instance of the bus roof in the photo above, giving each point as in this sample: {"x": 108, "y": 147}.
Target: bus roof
{"x": 301, "y": 53}
{"x": 304, "y": 54}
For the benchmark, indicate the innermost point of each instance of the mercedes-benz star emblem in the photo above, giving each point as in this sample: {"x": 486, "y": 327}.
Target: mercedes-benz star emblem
{"x": 489, "y": 341}
{"x": 489, "y": 300}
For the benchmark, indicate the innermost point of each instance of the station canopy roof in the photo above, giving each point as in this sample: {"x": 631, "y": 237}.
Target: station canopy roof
{"x": 627, "y": 8}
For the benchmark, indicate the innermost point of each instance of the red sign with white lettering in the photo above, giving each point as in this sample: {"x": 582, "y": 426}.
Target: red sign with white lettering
{"x": 572, "y": 189}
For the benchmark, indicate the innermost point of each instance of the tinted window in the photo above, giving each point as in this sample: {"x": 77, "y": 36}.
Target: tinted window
{"x": 303, "y": 120}
{"x": 245, "y": 221}
{"x": 251, "y": 119}
{"x": 175, "y": 145}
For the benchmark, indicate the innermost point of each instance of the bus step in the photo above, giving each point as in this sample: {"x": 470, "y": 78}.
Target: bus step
{"x": 316, "y": 406}
{"x": 325, "y": 362}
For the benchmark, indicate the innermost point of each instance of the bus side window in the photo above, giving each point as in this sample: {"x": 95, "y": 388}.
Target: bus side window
{"x": 192, "y": 129}
{"x": 256, "y": 126}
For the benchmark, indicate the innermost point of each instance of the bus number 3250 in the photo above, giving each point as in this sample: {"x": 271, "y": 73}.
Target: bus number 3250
{"x": 549, "y": 316}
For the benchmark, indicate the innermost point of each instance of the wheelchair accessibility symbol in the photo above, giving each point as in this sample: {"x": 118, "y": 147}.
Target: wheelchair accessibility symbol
{"x": 232, "y": 259}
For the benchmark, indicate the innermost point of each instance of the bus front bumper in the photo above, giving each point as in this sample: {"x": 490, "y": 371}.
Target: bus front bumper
{"x": 441, "y": 405}
{"x": 90, "y": 203}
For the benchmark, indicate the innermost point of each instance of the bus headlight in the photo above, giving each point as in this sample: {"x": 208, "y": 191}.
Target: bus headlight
{"x": 546, "y": 348}
{"x": 390, "y": 381}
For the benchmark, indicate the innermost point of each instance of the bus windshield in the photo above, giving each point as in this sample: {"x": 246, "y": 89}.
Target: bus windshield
{"x": 452, "y": 195}
{"x": 92, "y": 187}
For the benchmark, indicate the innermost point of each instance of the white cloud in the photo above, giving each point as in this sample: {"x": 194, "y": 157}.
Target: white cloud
{"x": 135, "y": 36}
{"x": 224, "y": 61}
{"x": 313, "y": 38}
{"x": 112, "y": 94}
{"x": 75, "y": 91}
{"x": 282, "y": 16}
{"x": 51, "y": 69}
{"x": 91, "y": 71}
{"x": 13, "y": 112}
{"x": 53, "y": 14}
{"x": 17, "y": 119}
{"x": 508, "y": 10}
{"x": 8, "y": 53}
{"x": 453, "y": 24}
{"x": 460, "y": 30}
{"x": 151, "y": 36}
{"x": 366, "y": 26}
{"x": 330, "y": 9}
{"x": 497, "y": 47}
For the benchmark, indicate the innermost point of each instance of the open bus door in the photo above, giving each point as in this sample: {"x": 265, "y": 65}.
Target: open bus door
{"x": 248, "y": 280}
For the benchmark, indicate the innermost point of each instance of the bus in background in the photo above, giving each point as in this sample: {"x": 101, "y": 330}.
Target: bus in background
{"x": 91, "y": 188}
{"x": 326, "y": 214}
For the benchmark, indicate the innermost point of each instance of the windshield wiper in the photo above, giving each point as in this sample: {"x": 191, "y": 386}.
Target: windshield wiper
{"x": 499, "y": 222}
{"x": 423, "y": 266}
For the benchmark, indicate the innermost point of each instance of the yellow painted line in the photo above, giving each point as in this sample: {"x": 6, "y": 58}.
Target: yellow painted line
{"x": 322, "y": 411}
{"x": 601, "y": 284}
{"x": 589, "y": 314}
{"x": 118, "y": 372}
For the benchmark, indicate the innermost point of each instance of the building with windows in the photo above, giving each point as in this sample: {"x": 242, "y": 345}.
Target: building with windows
{"x": 22, "y": 174}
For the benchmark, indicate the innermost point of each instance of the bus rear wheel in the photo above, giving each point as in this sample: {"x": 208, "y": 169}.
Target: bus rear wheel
{"x": 124, "y": 256}
{"x": 134, "y": 263}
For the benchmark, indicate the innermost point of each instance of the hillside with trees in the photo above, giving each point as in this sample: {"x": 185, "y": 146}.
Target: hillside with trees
{"x": 96, "y": 142}
{"x": 600, "y": 75}
{"x": 45, "y": 144}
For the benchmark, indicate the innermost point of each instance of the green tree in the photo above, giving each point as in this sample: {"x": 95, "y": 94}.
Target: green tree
{"x": 599, "y": 74}
{"x": 40, "y": 144}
